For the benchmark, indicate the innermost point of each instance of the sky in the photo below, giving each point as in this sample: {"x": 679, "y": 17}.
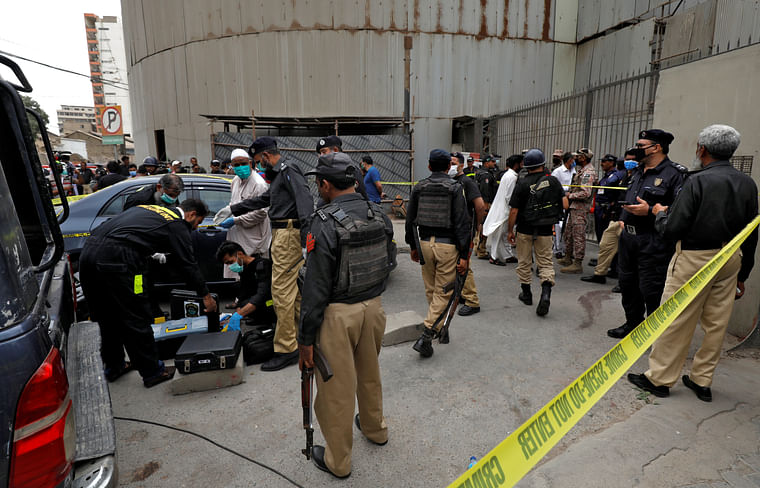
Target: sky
{"x": 52, "y": 31}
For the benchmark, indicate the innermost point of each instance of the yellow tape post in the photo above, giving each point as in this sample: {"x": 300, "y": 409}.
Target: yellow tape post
{"x": 509, "y": 461}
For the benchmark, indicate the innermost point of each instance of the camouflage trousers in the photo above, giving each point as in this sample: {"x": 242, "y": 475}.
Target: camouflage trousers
{"x": 574, "y": 233}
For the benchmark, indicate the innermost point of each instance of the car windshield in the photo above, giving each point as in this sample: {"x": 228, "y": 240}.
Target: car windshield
{"x": 18, "y": 286}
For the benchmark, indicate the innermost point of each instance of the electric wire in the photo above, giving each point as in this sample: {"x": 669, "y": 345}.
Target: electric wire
{"x": 115, "y": 84}
{"x": 231, "y": 451}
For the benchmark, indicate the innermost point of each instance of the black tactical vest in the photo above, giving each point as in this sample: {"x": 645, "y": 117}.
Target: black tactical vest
{"x": 434, "y": 204}
{"x": 542, "y": 208}
{"x": 363, "y": 261}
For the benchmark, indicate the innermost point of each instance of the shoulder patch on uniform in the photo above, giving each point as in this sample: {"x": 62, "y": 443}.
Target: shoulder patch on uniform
{"x": 310, "y": 242}
{"x": 680, "y": 167}
{"x": 321, "y": 214}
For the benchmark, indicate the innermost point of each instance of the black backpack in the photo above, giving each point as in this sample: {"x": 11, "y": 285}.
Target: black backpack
{"x": 542, "y": 207}
{"x": 258, "y": 344}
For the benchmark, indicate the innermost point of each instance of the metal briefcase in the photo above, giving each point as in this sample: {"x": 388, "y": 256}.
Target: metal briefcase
{"x": 208, "y": 352}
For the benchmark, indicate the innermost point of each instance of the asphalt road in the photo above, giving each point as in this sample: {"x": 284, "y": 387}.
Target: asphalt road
{"x": 502, "y": 365}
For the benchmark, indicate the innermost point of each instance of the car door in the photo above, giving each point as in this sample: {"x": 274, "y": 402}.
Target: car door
{"x": 209, "y": 237}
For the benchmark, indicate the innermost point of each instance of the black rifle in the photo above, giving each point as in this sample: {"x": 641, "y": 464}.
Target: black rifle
{"x": 457, "y": 285}
{"x": 307, "y": 390}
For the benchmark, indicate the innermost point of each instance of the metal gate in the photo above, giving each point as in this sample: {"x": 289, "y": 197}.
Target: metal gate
{"x": 605, "y": 118}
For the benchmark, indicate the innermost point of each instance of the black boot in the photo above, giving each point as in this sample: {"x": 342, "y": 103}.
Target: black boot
{"x": 424, "y": 344}
{"x": 526, "y": 296}
{"x": 543, "y": 303}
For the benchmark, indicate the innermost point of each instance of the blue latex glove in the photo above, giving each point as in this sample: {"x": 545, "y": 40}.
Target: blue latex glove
{"x": 234, "y": 323}
{"x": 227, "y": 223}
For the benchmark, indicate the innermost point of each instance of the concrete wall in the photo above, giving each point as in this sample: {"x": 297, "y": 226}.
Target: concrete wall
{"x": 716, "y": 90}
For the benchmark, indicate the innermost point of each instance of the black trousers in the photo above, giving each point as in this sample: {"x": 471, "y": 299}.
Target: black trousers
{"x": 601, "y": 221}
{"x": 642, "y": 265}
{"x": 119, "y": 306}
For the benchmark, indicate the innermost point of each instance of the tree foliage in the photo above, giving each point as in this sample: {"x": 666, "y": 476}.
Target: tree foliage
{"x": 31, "y": 103}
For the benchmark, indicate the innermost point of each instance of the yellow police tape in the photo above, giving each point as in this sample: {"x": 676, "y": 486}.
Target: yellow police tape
{"x": 509, "y": 461}
{"x": 71, "y": 198}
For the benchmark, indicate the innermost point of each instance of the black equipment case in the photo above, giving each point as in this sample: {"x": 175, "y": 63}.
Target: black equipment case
{"x": 208, "y": 352}
{"x": 186, "y": 303}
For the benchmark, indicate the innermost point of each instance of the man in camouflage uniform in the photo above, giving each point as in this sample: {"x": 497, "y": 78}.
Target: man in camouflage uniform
{"x": 580, "y": 202}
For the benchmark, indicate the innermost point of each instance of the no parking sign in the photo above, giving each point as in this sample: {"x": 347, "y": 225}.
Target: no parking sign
{"x": 111, "y": 125}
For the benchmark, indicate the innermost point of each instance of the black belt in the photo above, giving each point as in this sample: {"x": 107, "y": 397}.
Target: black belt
{"x": 284, "y": 224}
{"x": 440, "y": 240}
{"x": 701, "y": 247}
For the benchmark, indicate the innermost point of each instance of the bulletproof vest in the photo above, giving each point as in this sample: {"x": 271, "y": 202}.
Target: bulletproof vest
{"x": 363, "y": 261}
{"x": 434, "y": 204}
{"x": 542, "y": 207}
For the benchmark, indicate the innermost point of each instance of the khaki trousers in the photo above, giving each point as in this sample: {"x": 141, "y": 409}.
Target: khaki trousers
{"x": 542, "y": 245}
{"x": 470, "y": 291}
{"x": 712, "y": 308}
{"x": 608, "y": 247}
{"x": 287, "y": 259}
{"x": 350, "y": 338}
{"x": 440, "y": 268}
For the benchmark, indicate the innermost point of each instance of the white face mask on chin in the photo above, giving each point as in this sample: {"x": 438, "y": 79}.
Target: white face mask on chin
{"x": 453, "y": 171}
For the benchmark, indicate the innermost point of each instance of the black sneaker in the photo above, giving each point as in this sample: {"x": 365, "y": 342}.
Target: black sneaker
{"x": 165, "y": 375}
{"x": 595, "y": 278}
{"x": 466, "y": 310}
{"x": 643, "y": 382}
{"x": 620, "y": 332}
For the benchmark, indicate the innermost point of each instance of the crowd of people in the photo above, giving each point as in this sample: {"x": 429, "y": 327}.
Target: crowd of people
{"x": 318, "y": 268}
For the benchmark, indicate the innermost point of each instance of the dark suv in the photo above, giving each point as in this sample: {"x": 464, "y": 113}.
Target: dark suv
{"x": 56, "y": 423}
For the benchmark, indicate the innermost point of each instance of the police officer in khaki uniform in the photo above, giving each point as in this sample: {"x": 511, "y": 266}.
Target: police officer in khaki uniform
{"x": 438, "y": 208}
{"x": 348, "y": 237}
{"x": 714, "y": 205}
{"x": 290, "y": 207}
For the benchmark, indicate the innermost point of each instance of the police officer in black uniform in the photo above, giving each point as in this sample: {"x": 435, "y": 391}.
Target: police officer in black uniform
{"x": 254, "y": 295}
{"x": 165, "y": 193}
{"x": 438, "y": 208}
{"x": 329, "y": 144}
{"x": 290, "y": 207}
{"x": 111, "y": 269}
{"x": 349, "y": 253}
{"x": 643, "y": 255}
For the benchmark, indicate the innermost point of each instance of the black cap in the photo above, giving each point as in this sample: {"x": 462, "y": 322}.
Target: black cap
{"x": 657, "y": 135}
{"x": 459, "y": 156}
{"x": 439, "y": 155}
{"x": 329, "y": 141}
{"x": 262, "y": 144}
{"x": 609, "y": 157}
{"x": 334, "y": 166}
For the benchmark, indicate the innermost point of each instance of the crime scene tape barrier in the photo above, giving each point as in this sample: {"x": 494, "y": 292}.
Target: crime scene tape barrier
{"x": 72, "y": 198}
{"x": 400, "y": 183}
{"x": 512, "y": 458}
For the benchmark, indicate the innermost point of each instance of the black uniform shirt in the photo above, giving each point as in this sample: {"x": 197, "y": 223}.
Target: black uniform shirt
{"x": 471, "y": 191}
{"x": 660, "y": 185}
{"x": 486, "y": 180}
{"x": 714, "y": 205}
{"x": 256, "y": 284}
{"x": 110, "y": 179}
{"x": 322, "y": 265}
{"x": 520, "y": 197}
{"x": 288, "y": 197}
{"x": 146, "y": 196}
{"x": 460, "y": 219}
{"x": 153, "y": 229}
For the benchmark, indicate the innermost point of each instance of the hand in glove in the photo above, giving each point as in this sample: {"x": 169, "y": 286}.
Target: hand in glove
{"x": 222, "y": 215}
{"x": 234, "y": 322}
{"x": 160, "y": 257}
{"x": 227, "y": 223}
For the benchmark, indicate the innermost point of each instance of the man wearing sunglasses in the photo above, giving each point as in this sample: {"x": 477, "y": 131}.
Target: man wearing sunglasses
{"x": 643, "y": 255}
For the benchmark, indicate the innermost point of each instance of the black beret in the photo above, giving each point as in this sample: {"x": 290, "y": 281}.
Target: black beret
{"x": 440, "y": 155}
{"x": 329, "y": 141}
{"x": 335, "y": 165}
{"x": 657, "y": 135}
{"x": 609, "y": 157}
{"x": 262, "y": 144}
{"x": 459, "y": 156}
